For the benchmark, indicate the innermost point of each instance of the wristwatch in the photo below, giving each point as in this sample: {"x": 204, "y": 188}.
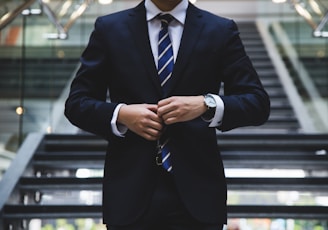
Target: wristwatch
{"x": 210, "y": 103}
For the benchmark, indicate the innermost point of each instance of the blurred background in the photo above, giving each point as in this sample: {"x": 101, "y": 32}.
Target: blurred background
{"x": 50, "y": 172}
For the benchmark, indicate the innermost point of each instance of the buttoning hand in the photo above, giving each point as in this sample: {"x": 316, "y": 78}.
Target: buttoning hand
{"x": 142, "y": 119}
{"x": 181, "y": 108}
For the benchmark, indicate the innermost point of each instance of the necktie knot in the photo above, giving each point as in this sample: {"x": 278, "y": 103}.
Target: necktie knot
{"x": 165, "y": 19}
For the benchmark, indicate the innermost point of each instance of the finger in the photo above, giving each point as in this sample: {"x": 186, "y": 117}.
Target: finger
{"x": 154, "y": 118}
{"x": 170, "y": 120}
{"x": 165, "y": 107}
{"x": 165, "y": 101}
{"x": 152, "y": 107}
{"x": 149, "y": 137}
{"x": 151, "y": 134}
{"x": 153, "y": 115}
{"x": 156, "y": 125}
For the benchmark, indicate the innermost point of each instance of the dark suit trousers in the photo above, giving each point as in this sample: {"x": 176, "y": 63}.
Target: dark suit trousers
{"x": 166, "y": 211}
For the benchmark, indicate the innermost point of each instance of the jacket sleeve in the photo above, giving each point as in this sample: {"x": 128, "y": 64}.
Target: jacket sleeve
{"x": 86, "y": 106}
{"x": 246, "y": 103}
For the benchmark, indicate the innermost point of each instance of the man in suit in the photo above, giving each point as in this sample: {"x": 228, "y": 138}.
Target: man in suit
{"x": 118, "y": 95}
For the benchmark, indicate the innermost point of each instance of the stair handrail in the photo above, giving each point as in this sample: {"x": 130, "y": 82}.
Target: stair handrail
{"x": 11, "y": 15}
{"x": 318, "y": 102}
{"x": 301, "y": 112}
{"x": 317, "y": 27}
{"x": 62, "y": 30}
{"x": 319, "y": 31}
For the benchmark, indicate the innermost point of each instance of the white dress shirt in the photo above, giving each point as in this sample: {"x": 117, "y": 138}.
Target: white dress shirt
{"x": 175, "y": 31}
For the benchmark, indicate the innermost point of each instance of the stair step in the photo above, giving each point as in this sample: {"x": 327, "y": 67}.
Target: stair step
{"x": 94, "y": 211}
{"x": 91, "y": 184}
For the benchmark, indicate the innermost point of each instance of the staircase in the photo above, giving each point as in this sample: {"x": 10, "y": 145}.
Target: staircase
{"x": 50, "y": 187}
{"x": 52, "y": 174}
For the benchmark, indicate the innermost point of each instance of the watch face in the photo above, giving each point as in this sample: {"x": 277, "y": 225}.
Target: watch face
{"x": 210, "y": 101}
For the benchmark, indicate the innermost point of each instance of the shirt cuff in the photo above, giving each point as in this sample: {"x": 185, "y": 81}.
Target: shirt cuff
{"x": 217, "y": 119}
{"x": 118, "y": 129}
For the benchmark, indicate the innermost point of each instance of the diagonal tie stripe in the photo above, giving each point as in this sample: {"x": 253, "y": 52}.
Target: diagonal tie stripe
{"x": 165, "y": 68}
{"x": 166, "y": 163}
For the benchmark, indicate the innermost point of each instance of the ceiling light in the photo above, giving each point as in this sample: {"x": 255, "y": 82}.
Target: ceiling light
{"x": 316, "y": 8}
{"x": 105, "y": 2}
{"x": 278, "y": 1}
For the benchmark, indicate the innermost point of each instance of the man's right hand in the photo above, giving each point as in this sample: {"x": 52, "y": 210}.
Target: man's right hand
{"x": 141, "y": 119}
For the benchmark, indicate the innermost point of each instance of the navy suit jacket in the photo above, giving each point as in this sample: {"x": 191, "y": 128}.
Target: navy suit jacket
{"x": 118, "y": 59}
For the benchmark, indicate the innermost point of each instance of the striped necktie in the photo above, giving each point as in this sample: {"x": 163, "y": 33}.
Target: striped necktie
{"x": 165, "y": 68}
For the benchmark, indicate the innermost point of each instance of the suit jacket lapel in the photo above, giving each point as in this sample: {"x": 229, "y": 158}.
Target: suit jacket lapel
{"x": 192, "y": 29}
{"x": 138, "y": 26}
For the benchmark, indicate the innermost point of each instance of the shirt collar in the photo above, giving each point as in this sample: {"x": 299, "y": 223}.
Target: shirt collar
{"x": 179, "y": 12}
